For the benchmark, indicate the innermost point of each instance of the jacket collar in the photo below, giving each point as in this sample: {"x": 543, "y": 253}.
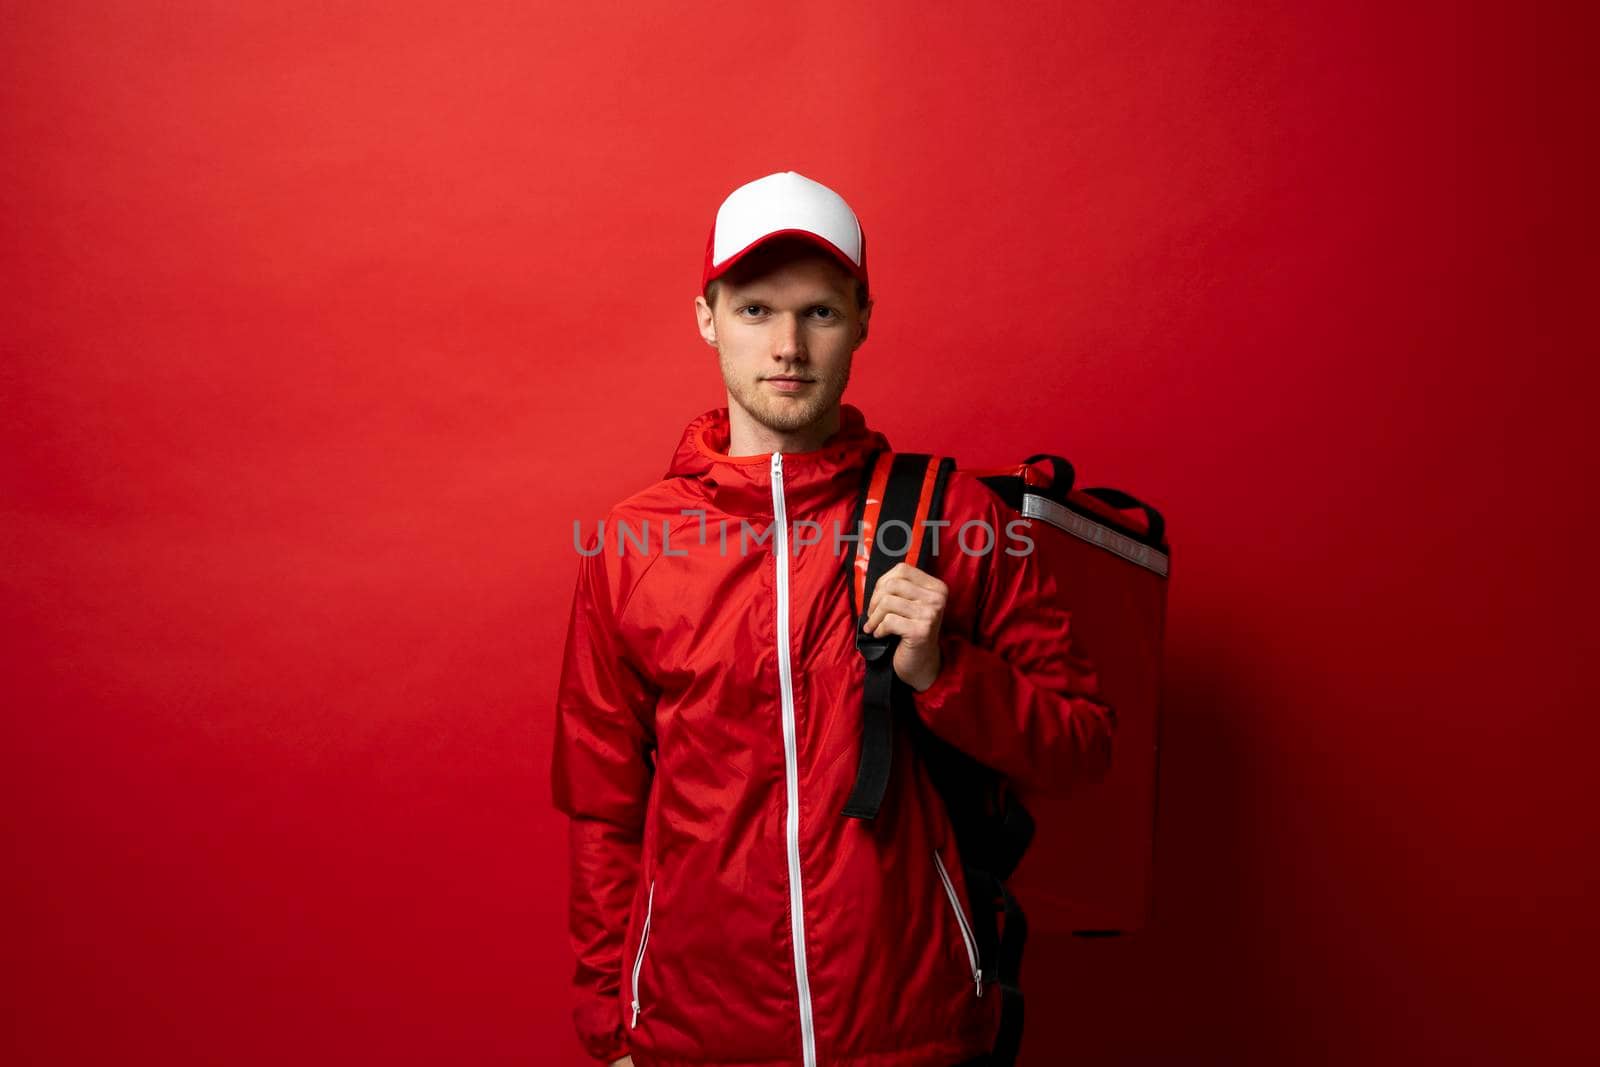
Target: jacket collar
{"x": 742, "y": 485}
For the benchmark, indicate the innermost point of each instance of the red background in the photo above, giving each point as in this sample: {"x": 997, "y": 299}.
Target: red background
{"x": 322, "y": 323}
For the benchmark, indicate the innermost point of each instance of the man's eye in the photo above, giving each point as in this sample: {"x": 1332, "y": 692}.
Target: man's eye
{"x": 827, "y": 312}
{"x": 750, "y": 307}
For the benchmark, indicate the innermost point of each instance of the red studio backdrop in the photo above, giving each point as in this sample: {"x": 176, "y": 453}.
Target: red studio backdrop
{"x": 321, "y": 324}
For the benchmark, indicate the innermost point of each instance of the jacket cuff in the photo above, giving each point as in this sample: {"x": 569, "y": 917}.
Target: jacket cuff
{"x": 599, "y": 1042}
{"x": 606, "y": 1054}
{"x": 955, "y": 668}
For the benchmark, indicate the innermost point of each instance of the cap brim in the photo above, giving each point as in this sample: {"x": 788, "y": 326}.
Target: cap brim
{"x": 850, "y": 266}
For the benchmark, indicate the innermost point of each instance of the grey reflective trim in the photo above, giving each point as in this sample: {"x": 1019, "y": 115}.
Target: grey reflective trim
{"x": 1035, "y": 506}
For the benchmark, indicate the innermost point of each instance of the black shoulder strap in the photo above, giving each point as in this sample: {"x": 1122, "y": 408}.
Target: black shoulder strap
{"x": 902, "y": 492}
{"x": 909, "y": 489}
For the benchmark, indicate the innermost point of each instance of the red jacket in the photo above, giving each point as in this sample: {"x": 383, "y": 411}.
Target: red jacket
{"x": 722, "y": 909}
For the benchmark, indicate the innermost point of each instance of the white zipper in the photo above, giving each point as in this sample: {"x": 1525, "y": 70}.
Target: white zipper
{"x": 639, "y": 956}
{"x": 966, "y": 931}
{"x": 797, "y": 922}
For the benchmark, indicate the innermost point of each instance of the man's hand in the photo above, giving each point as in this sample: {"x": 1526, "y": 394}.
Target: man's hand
{"x": 910, "y": 602}
{"x": 626, "y": 1061}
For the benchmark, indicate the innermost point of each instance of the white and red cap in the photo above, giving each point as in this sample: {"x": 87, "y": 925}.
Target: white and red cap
{"x": 779, "y": 204}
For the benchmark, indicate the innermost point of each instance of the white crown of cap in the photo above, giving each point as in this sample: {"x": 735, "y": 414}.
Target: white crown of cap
{"x": 784, "y": 201}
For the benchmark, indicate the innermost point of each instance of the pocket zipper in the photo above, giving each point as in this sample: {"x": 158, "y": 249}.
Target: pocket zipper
{"x": 638, "y": 959}
{"x": 966, "y": 931}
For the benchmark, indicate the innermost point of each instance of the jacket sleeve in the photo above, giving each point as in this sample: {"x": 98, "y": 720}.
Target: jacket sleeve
{"x": 601, "y": 778}
{"x": 1015, "y": 693}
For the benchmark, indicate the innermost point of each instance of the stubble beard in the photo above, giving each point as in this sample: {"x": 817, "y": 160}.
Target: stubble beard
{"x": 785, "y": 414}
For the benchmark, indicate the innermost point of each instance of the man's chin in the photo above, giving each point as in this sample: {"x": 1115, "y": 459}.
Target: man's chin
{"x": 787, "y": 417}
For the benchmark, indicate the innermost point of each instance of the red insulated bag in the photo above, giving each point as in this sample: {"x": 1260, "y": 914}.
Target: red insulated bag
{"x": 1080, "y": 859}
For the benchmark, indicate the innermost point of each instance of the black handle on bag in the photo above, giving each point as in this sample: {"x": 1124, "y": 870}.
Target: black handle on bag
{"x": 1118, "y": 499}
{"x": 1061, "y": 476}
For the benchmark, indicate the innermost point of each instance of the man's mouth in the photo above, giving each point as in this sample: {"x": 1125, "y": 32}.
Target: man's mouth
{"x": 788, "y": 385}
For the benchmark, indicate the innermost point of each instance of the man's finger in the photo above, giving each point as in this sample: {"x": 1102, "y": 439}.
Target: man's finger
{"x": 912, "y": 629}
{"x": 913, "y": 596}
{"x": 906, "y": 587}
{"x": 915, "y": 575}
{"x": 888, "y": 608}
{"x": 911, "y": 609}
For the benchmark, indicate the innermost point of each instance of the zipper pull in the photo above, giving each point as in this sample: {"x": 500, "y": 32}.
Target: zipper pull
{"x": 636, "y": 1011}
{"x": 777, "y": 464}
{"x": 977, "y": 975}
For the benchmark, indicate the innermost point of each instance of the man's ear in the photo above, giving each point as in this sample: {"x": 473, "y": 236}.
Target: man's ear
{"x": 706, "y": 320}
{"x": 866, "y": 313}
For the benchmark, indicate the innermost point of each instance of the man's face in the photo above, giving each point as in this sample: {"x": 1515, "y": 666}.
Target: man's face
{"x": 784, "y": 337}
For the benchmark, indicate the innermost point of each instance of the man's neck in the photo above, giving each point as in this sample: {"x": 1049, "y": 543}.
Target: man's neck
{"x": 747, "y": 437}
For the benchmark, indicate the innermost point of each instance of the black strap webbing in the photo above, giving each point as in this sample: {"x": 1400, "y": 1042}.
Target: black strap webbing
{"x": 1004, "y": 839}
{"x": 901, "y": 494}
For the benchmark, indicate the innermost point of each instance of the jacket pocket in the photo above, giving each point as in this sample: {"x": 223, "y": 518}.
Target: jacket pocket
{"x": 961, "y": 920}
{"x": 638, "y": 958}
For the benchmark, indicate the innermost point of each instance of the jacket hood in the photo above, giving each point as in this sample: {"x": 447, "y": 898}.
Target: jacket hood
{"x": 742, "y": 485}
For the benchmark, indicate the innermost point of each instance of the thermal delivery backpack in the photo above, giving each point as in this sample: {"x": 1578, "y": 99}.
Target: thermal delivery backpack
{"x": 1067, "y": 862}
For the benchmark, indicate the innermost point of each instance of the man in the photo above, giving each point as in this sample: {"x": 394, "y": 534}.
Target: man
{"x": 723, "y": 910}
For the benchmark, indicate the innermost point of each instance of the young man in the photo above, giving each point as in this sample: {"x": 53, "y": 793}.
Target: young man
{"x": 723, "y": 909}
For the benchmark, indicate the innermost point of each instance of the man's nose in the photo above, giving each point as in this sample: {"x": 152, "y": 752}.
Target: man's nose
{"x": 788, "y": 341}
